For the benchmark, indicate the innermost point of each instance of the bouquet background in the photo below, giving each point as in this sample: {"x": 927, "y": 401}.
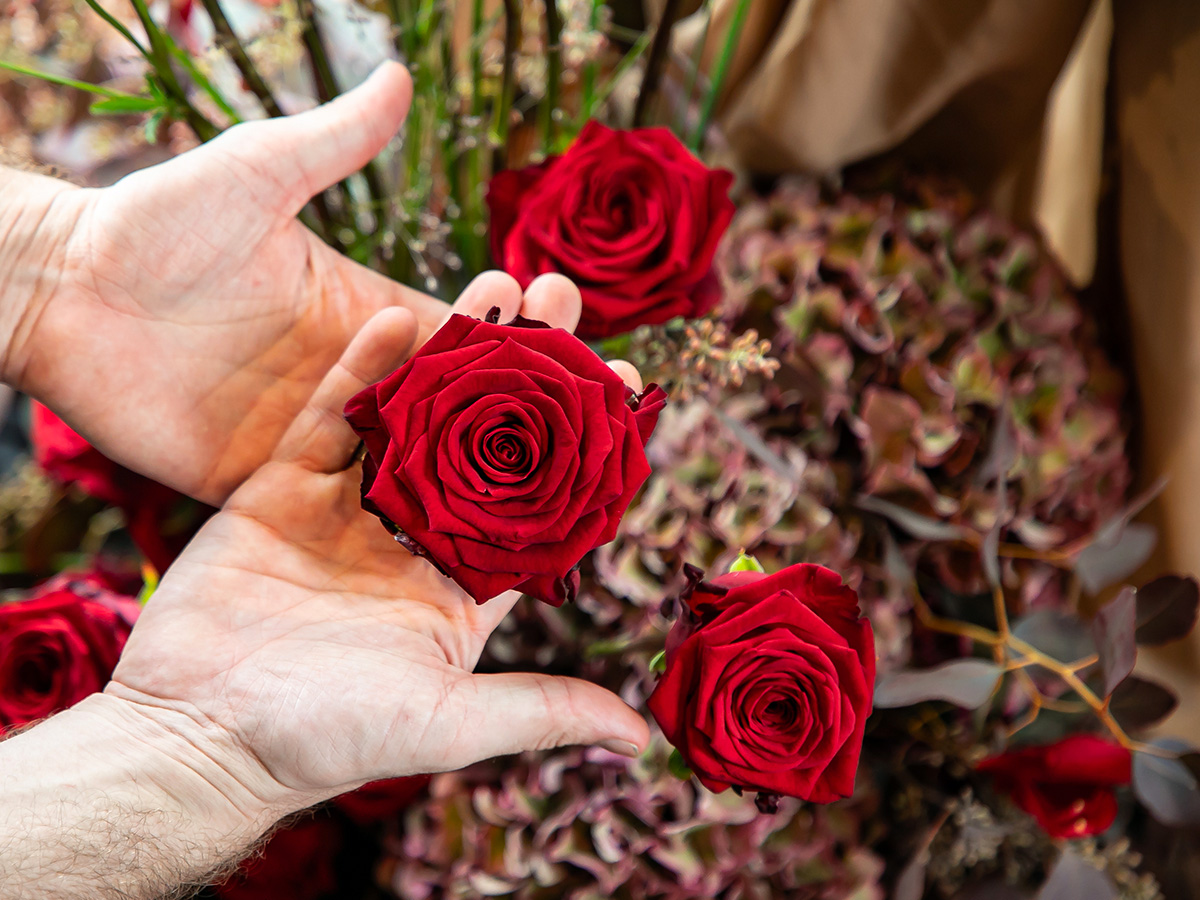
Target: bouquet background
{"x": 877, "y": 376}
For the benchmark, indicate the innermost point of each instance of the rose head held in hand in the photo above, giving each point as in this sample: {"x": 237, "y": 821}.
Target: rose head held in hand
{"x": 503, "y": 454}
{"x": 631, "y": 217}
{"x": 768, "y": 683}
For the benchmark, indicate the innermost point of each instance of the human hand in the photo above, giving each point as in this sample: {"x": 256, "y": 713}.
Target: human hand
{"x": 193, "y": 315}
{"x": 311, "y": 652}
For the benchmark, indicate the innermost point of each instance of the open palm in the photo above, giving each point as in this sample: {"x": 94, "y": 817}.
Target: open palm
{"x": 328, "y": 655}
{"x": 196, "y": 313}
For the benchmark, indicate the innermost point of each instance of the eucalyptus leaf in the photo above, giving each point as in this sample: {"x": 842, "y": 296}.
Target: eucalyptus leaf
{"x": 1063, "y": 636}
{"x": 1139, "y": 703}
{"x": 1105, "y": 562}
{"x": 964, "y": 682}
{"x": 1167, "y": 609}
{"x": 1112, "y": 629}
{"x": 1166, "y": 786}
{"x": 916, "y": 524}
{"x": 1073, "y": 878}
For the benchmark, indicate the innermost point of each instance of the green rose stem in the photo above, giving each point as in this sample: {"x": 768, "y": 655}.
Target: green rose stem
{"x": 227, "y": 39}
{"x": 697, "y": 57}
{"x": 159, "y": 56}
{"x": 719, "y": 73}
{"x": 588, "y": 88}
{"x": 553, "y": 75}
{"x": 503, "y": 111}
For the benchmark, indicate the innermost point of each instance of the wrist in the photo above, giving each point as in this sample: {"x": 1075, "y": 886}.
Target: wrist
{"x": 37, "y": 216}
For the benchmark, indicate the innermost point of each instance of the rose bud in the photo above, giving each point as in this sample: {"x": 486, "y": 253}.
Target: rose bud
{"x": 1068, "y": 786}
{"x": 632, "y": 217}
{"x": 768, "y": 683}
{"x": 58, "y": 646}
{"x": 503, "y": 454}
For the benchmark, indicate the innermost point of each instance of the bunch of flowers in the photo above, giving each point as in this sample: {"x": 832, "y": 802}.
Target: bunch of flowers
{"x": 888, "y": 383}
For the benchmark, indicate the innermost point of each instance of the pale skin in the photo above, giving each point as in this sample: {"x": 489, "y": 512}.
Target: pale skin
{"x": 294, "y": 651}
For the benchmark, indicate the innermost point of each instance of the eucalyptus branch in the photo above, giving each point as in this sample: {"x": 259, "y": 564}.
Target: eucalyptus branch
{"x": 228, "y": 40}
{"x": 656, "y": 60}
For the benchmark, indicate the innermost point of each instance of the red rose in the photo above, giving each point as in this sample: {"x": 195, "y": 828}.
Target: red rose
{"x": 504, "y": 453}
{"x": 297, "y": 863}
{"x": 768, "y": 683}
{"x": 58, "y": 646}
{"x": 631, "y": 217}
{"x": 160, "y": 520}
{"x": 1069, "y": 786}
{"x": 381, "y": 800}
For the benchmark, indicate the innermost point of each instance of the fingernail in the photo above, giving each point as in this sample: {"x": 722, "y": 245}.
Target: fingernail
{"x": 623, "y": 748}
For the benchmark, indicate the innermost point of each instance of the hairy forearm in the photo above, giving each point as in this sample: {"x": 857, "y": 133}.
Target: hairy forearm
{"x": 100, "y": 802}
{"x": 34, "y": 226}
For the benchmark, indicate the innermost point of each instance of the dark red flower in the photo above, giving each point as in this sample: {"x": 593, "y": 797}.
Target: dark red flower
{"x": 632, "y": 217}
{"x": 160, "y": 520}
{"x": 381, "y": 800}
{"x": 1069, "y": 787}
{"x": 504, "y": 453}
{"x": 59, "y": 645}
{"x": 768, "y": 683}
{"x": 297, "y": 863}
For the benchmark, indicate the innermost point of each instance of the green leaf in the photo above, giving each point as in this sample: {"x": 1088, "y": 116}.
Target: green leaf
{"x": 677, "y": 767}
{"x": 746, "y": 563}
{"x": 120, "y": 106}
{"x": 658, "y": 662}
{"x": 153, "y": 124}
{"x": 66, "y": 82}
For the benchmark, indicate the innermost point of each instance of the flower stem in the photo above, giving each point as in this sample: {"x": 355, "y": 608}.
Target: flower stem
{"x": 553, "y": 74}
{"x": 227, "y": 39}
{"x": 719, "y": 73}
{"x": 656, "y": 60}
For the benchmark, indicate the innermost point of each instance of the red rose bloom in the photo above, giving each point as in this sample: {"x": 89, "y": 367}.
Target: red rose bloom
{"x": 160, "y": 520}
{"x": 768, "y": 683}
{"x": 58, "y": 646}
{"x": 504, "y": 453}
{"x": 632, "y": 217}
{"x": 297, "y": 863}
{"x": 1069, "y": 786}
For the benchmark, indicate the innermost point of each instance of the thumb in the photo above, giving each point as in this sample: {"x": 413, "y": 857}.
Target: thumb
{"x": 521, "y": 711}
{"x": 310, "y": 151}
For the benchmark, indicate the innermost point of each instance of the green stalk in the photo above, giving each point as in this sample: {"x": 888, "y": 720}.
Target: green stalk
{"x": 656, "y": 60}
{"x": 227, "y": 39}
{"x": 718, "y": 77}
{"x": 553, "y": 74}
{"x": 589, "y": 70}
{"x": 159, "y": 57}
{"x": 697, "y": 58}
{"x": 68, "y": 82}
{"x": 634, "y": 54}
{"x": 119, "y": 26}
{"x": 202, "y": 80}
{"x": 503, "y": 113}
{"x": 473, "y": 201}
